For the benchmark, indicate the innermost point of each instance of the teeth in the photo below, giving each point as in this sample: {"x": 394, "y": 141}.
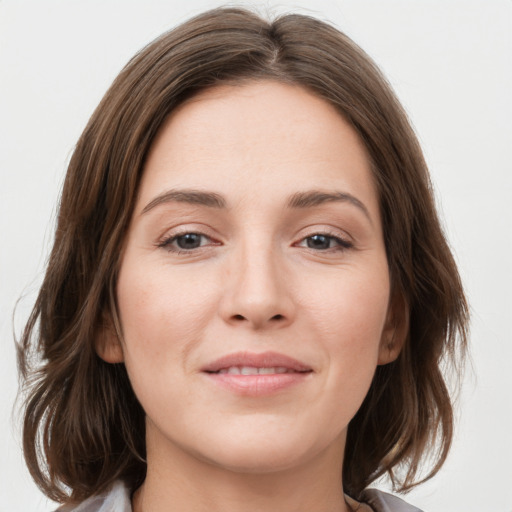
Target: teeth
{"x": 251, "y": 370}
{"x": 248, "y": 370}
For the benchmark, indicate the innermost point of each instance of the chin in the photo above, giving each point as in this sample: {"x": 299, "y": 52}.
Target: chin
{"x": 255, "y": 461}
{"x": 264, "y": 452}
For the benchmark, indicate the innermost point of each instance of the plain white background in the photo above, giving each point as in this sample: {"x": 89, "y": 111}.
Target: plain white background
{"x": 450, "y": 63}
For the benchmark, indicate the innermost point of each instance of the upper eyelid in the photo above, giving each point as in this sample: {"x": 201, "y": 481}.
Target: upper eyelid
{"x": 325, "y": 230}
{"x": 342, "y": 241}
{"x": 307, "y": 231}
{"x": 176, "y": 231}
{"x": 331, "y": 231}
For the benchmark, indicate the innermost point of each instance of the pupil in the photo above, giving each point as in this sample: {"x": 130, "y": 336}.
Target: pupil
{"x": 318, "y": 242}
{"x": 189, "y": 241}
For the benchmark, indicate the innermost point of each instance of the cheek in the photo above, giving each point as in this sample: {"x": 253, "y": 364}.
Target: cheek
{"x": 350, "y": 316}
{"x": 153, "y": 300}
{"x": 161, "y": 322}
{"x": 163, "y": 313}
{"x": 351, "y": 311}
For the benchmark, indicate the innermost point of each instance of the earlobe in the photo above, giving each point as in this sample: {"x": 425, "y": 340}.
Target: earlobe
{"x": 389, "y": 349}
{"x": 107, "y": 343}
{"x": 395, "y": 332}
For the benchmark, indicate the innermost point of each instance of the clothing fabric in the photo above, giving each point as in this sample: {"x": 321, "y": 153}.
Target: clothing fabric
{"x": 117, "y": 499}
{"x": 383, "y": 502}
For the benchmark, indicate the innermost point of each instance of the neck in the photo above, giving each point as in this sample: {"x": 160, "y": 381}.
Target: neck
{"x": 187, "y": 483}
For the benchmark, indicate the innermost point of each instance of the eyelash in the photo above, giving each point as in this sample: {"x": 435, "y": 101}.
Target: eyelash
{"x": 167, "y": 242}
{"x": 342, "y": 244}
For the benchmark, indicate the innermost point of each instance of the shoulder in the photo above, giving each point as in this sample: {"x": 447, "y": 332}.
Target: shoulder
{"x": 383, "y": 502}
{"x": 116, "y": 499}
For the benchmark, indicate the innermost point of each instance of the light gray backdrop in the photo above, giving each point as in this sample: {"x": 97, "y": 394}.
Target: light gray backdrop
{"x": 450, "y": 63}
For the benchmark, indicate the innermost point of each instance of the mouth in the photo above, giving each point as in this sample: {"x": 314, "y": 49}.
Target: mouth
{"x": 253, "y": 370}
{"x": 252, "y": 374}
{"x": 249, "y": 363}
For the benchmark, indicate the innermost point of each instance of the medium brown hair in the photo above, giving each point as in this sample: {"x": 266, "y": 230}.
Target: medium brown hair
{"x": 83, "y": 426}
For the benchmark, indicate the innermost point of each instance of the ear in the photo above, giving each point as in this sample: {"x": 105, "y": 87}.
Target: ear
{"x": 395, "y": 331}
{"x": 107, "y": 343}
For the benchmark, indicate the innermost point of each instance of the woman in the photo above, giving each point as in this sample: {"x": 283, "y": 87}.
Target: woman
{"x": 249, "y": 294}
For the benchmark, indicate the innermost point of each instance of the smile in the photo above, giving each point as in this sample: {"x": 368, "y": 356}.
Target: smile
{"x": 250, "y": 363}
{"x": 252, "y": 370}
{"x": 251, "y": 374}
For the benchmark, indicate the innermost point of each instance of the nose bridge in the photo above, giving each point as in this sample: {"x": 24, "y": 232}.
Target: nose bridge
{"x": 257, "y": 291}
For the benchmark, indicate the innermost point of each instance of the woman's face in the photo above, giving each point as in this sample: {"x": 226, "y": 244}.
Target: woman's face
{"x": 253, "y": 290}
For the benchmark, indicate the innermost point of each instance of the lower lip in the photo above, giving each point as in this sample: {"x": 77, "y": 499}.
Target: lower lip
{"x": 258, "y": 385}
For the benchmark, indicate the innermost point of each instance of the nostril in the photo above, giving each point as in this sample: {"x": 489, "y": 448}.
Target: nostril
{"x": 258, "y": 320}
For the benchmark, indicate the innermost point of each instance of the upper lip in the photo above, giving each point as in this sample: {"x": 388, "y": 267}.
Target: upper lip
{"x": 262, "y": 360}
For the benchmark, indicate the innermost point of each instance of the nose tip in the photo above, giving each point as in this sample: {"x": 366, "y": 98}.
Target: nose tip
{"x": 257, "y": 295}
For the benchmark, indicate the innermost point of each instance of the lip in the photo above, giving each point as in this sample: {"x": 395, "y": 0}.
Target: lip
{"x": 262, "y": 360}
{"x": 261, "y": 384}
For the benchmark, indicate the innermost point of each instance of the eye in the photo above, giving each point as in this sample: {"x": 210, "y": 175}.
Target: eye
{"x": 324, "y": 242}
{"x": 185, "y": 242}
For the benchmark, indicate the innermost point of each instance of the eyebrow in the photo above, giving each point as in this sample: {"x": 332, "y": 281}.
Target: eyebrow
{"x": 299, "y": 200}
{"x": 317, "y": 197}
{"x": 210, "y": 199}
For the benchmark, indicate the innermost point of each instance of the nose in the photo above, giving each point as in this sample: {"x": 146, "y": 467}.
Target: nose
{"x": 257, "y": 293}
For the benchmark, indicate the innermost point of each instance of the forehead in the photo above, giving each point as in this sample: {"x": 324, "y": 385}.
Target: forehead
{"x": 258, "y": 136}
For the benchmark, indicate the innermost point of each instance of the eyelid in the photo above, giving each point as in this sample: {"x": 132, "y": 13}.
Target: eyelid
{"x": 341, "y": 243}
{"x": 344, "y": 241}
{"x": 325, "y": 229}
{"x": 172, "y": 234}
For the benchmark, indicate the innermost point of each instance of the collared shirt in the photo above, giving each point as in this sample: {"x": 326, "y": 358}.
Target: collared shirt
{"x": 117, "y": 499}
